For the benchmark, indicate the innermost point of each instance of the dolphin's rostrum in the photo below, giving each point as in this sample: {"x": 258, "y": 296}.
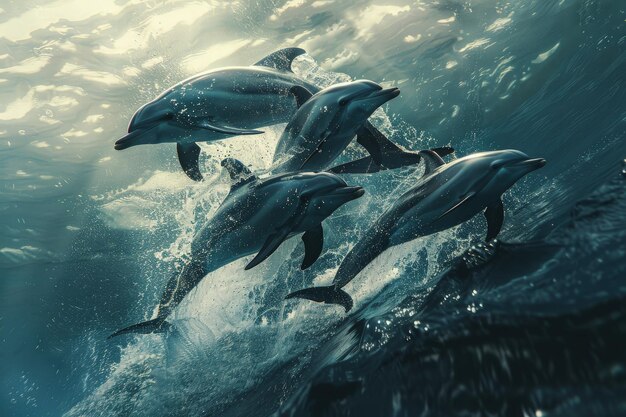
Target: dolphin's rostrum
{"x": 447, "y": 195}
{"x": 256, "y": 217}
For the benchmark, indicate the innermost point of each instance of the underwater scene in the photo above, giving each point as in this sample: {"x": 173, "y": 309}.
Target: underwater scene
{"x": 313, "y": 208}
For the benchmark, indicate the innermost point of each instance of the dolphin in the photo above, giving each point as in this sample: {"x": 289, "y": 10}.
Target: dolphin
{"x": 325, "y": 123}
{"x": 255, "y": 217}
{"x": 216, "y": 105}
{"x": 446, "y": 196}
{"x": 227, "y": 102}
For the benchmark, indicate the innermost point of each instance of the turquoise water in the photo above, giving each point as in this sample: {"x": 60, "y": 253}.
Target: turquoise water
{"x": 89, "y": 235}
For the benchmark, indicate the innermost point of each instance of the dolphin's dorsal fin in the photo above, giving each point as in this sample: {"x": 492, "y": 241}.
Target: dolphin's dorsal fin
{"x": 301, "y": 94}
{"x": 281, "y": 59}
{"x": 432, "y": 161}
{"x": 239, "y": 173}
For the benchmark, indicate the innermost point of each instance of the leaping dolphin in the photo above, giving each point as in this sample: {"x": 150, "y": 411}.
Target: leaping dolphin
{"x": 232, "y": 101}
{"x": 256, "y": 216}
{"x": 216, "y": 105}
{"x": 325, "y": 123}
{"x": 447, "y": 195}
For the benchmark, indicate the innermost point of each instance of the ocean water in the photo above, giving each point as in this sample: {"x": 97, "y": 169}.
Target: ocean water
{"x": 533, "y": 325}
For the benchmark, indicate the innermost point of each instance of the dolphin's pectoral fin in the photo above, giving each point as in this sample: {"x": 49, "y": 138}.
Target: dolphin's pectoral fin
{"x": 495, "y": 217}
{"x": 313, "y": 243}
{"x": 227, "y": 130}
{"x": 327, "y": 295}
{"x": 365, "y": 138}
{"x": 301, "y": 94}
{"x": 282, "y": 233}
{"x": 188, "y": 155}
{"x": 239, "y": 173}
{"x": 157, "y": 325}
{"x": 271, "y": 244}
{"x": 432, "y": 161}
{"x": 360, "y": 166}
{"x": 465, "y": 199}
{"x": 281, "y": 59}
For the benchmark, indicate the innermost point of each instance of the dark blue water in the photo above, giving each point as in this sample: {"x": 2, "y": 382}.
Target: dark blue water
{"x": 533, "y": 325}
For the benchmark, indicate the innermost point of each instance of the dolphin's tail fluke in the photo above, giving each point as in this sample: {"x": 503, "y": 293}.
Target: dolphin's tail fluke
{"x": 384, "y": 154}
{"x": 157, "y": 325}
{"x": 390, "y": 160}
{"x": 328, "y": 295}
{"x": 360, "y": 166}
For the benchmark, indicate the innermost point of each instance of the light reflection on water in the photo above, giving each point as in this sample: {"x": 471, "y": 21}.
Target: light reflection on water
{"x": 88, "y": 234}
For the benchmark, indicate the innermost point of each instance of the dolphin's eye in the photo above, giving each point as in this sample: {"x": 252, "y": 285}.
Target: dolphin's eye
{"x": 343, "y": 102}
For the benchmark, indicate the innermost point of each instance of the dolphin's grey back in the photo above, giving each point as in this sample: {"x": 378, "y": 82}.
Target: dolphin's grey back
{"x": 246, "y": 76}
{"x": 243, "y": 97}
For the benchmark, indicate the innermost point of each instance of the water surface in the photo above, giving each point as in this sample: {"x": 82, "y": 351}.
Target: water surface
{"x": 89, "y": 235}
